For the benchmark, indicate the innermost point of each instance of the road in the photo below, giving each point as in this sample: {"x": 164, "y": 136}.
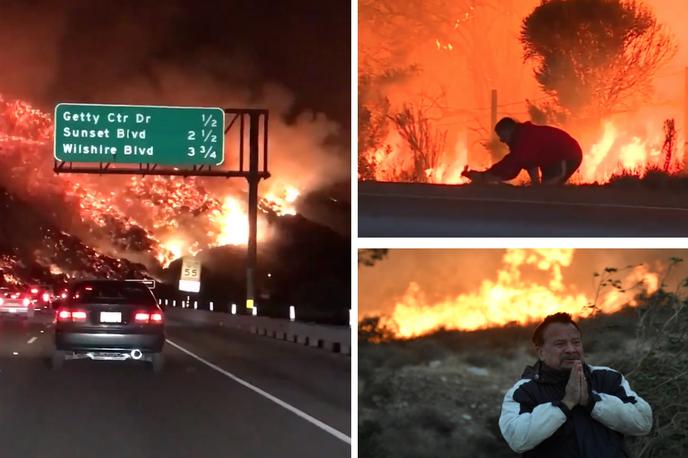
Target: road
{"x": 417, "y": 210}
{"x": 297, "y": 402}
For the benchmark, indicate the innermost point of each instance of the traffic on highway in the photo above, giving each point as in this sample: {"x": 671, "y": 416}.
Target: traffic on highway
{"x": 86, "y": 373}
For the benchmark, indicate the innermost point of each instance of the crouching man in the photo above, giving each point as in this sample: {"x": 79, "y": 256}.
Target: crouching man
{"x": 549, "y": 155}
{"x": 563, "y": 407}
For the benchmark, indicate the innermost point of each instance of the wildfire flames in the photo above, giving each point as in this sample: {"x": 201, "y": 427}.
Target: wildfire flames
{"x": 514, "y": 297}
{"x": 168, "y": 217}
{"x": 615, "y": 153}
{"x": 456, "y": 58}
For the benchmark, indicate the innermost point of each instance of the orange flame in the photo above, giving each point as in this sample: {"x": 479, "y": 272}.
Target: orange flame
{"x": 615, "y": 153}
{"x": 281, "y": 199}
{"x": 511, "y": 298}
{"x": 233, "y": 223}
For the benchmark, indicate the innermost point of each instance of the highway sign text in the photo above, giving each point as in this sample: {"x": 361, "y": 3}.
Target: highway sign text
{"x": 139, "y": 134}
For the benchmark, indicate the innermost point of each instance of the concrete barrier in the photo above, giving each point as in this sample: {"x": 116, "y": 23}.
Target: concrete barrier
{"x": 336, "y": 339}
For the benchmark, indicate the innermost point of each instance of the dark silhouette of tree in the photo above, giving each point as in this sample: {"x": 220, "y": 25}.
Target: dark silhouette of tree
{"x": 594, "y": 56}
{"x": 368, "y": 257}
{"x": 375, "y": 329}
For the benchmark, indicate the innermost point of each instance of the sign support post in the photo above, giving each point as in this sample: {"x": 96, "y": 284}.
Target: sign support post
{"x": 253, "y": 180}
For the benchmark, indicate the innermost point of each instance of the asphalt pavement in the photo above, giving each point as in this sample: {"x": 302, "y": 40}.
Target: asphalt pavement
{"x": 223, "y": 393}
{"x": 418, "y": 210}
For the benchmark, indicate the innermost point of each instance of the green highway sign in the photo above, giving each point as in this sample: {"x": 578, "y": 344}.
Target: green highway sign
{"x": 139, "y": 134}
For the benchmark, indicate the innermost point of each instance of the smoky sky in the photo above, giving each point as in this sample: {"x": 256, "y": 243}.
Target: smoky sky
{"x": 86, "y": 50}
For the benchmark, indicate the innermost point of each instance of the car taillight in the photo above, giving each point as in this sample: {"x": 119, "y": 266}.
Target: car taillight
{"x": 71, "y": 315}
{"x": 34, "y": 290}
{"x": 146, "y": 317}
{"x": 26, "y": 302}
{"x": 63, "y": 295}
{"x": 142, "y": 317}
{"x": 46, "y": 297}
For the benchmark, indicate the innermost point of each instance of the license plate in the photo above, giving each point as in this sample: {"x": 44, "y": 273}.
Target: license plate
{"x": 110, "y": 317}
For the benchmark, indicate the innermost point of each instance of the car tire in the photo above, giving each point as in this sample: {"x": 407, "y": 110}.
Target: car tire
{"x": 157, "y": 362}
{"x": 57, "y": 360}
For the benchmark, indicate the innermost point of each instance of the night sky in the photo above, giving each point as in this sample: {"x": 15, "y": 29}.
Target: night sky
{"x": 93, "y": 51}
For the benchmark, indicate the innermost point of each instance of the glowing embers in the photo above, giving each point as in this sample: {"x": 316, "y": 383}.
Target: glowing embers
{"x": 444, "y": 46}
{"x": 530, "y": 285}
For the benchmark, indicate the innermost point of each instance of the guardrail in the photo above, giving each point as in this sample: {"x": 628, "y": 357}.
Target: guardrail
{"x": 336, "y": 339}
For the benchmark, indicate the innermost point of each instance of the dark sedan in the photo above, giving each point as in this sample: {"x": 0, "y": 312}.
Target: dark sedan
{"x": 109, "y": 320}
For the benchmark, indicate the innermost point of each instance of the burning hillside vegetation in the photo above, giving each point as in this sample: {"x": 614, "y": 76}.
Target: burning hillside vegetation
{"x": 33, "y": 250}
{"x": 152, "y": 219}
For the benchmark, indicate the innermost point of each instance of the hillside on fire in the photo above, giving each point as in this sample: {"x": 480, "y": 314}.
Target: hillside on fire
{"x": 62, "y": 227}
{"x": 35, "y": 249}
{"x": 434, "y": 366}
{"x": 435, "y": 77}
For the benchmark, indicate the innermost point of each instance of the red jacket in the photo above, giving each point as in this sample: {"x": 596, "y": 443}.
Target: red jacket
{"x": 536, "y": 146}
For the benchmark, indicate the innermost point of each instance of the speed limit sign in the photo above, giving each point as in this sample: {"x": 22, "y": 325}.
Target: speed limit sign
{"x": 190, "y": 279}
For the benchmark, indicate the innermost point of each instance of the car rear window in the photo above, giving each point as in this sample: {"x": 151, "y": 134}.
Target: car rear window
{"x": 112, "y": 292}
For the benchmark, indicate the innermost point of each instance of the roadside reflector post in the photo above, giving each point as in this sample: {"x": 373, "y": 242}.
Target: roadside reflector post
{"x": 165, "y": 301}
{"x": 233, "y": 309}
{"x": 292, "y": 313}
{"x": 211, "y": 306}
{"x": 195, "y": 305}
{"x": 255, "y": 310}
{"x": 174, "y": 302}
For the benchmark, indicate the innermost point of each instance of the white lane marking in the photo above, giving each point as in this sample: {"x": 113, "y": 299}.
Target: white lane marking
{"x": 327, "y": 428}
{"x": 524, "y": 201}
{"x": 32, "y": 340}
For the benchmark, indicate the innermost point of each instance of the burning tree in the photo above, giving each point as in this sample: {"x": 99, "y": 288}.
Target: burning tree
{"x": 594, "y": 56}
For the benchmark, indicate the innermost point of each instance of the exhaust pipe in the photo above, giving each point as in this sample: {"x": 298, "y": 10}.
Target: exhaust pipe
{"x": 136, "y": 354}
